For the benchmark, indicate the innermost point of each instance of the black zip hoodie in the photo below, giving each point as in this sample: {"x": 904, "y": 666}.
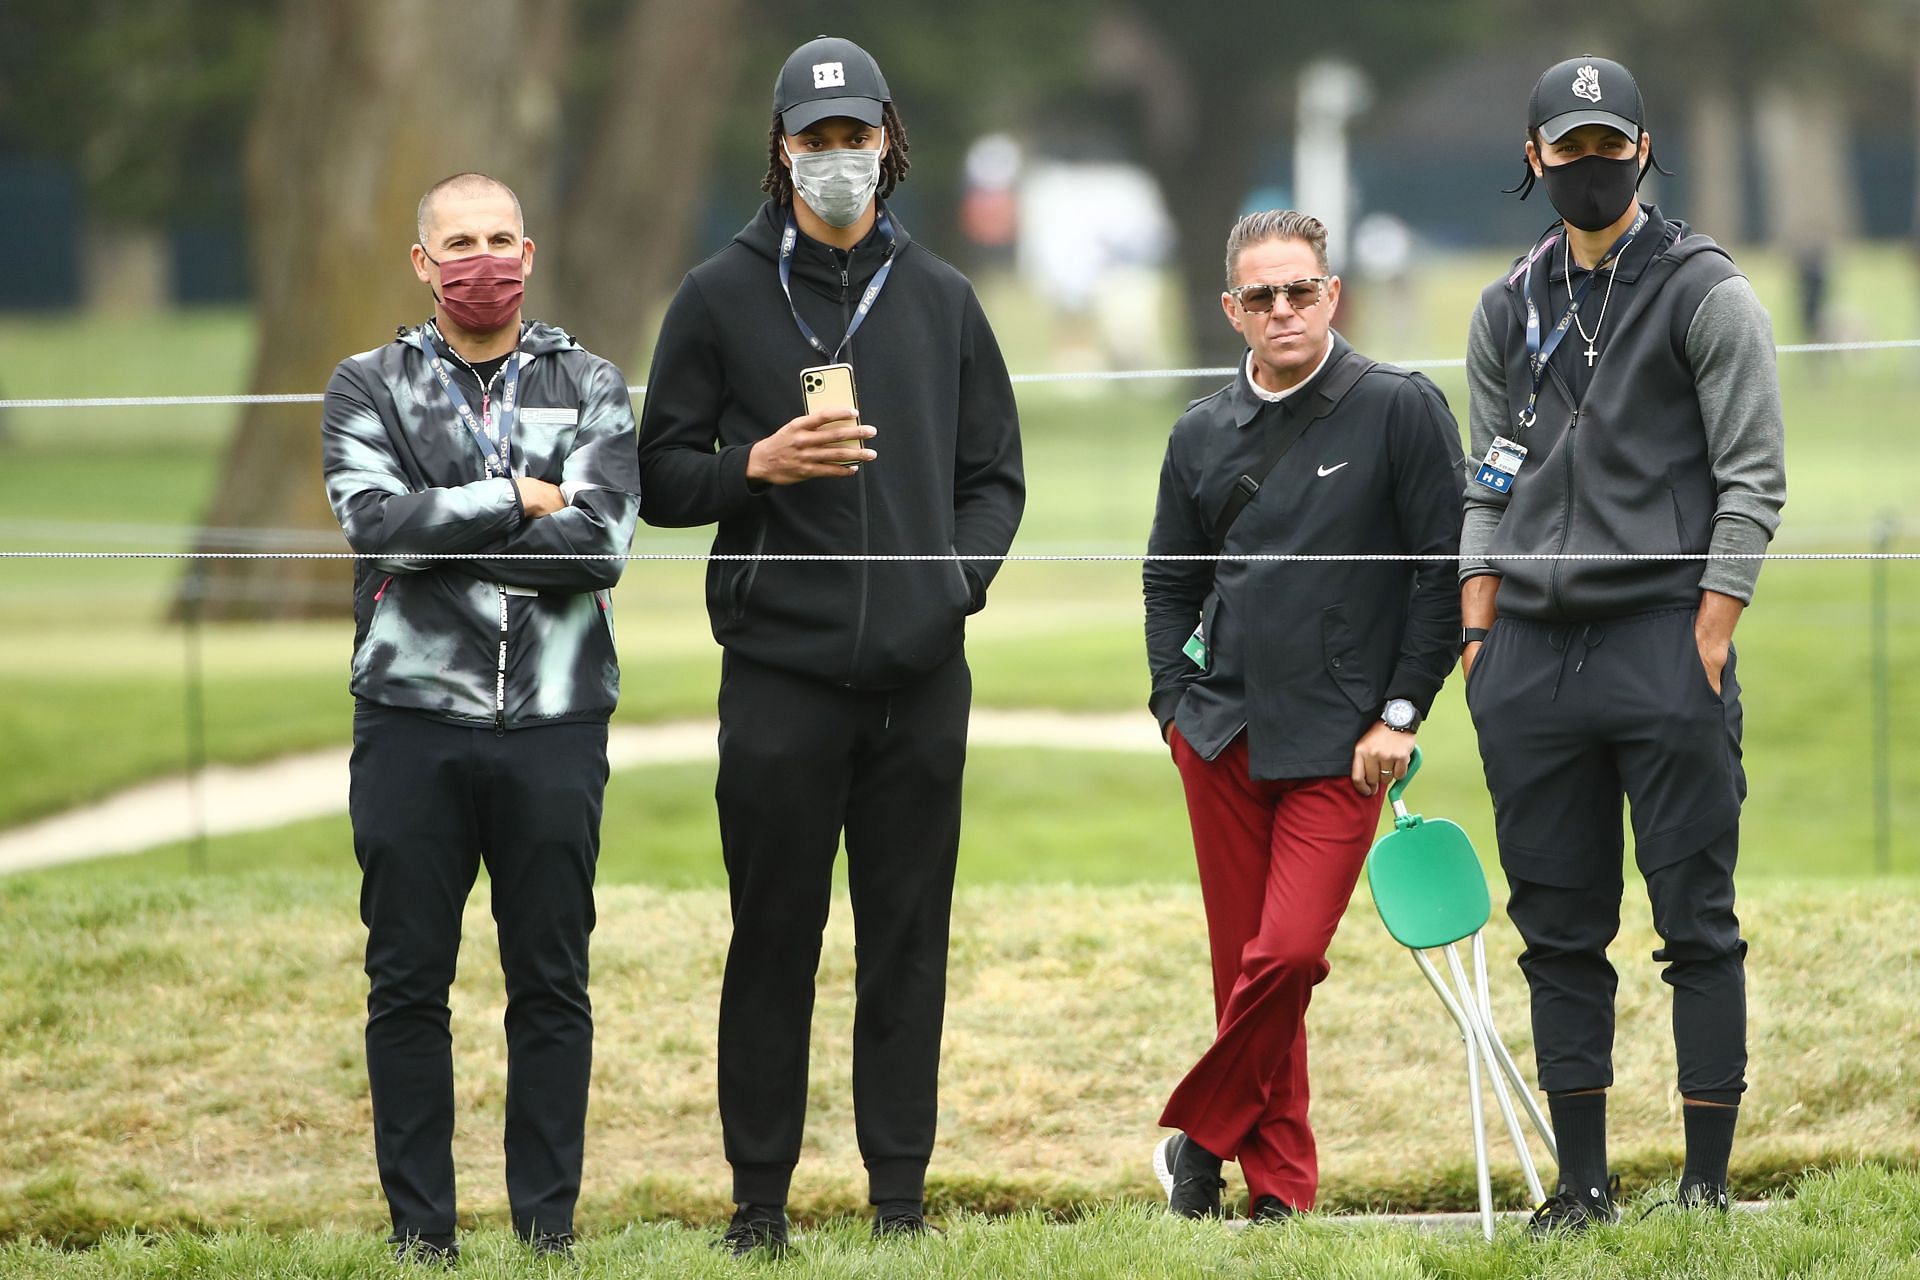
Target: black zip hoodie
{"x": 929, "y": 377}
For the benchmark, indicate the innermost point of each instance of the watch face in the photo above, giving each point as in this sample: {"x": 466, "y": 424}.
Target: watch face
{"x": 1399, "y": 713}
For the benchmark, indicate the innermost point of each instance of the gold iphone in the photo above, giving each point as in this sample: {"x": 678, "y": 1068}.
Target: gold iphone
{"x": 830, "y": 386}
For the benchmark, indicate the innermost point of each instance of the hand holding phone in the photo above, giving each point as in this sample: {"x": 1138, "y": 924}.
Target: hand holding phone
{"x": 826, "y": 440}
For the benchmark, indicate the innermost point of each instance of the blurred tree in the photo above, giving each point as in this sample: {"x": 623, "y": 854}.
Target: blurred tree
{"x": 621, "y": 230}
{"x": 1211, "y": 93}
{"x": 146, "y": 97}
{"x": 1792, "y": 76}
{"x": 363, "y": 107}
{"x": 138, "y": 97}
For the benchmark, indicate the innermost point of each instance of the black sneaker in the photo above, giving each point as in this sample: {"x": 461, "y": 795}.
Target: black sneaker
{"x": 1703, "y": 1195}
{"x": 1570, "y": 1211}
{"x": 900, "y": 1219}
{"x": 441, "y": 1251}
{"x": 1269, "y": 1210}
{"x": 1190, "y": 1175}
{"x": 552, "y": 1244}
{"x": 755, "y": 1227}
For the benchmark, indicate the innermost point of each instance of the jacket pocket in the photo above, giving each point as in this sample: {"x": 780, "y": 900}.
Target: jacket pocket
{"x": 968, "y": 604}
{"x": 742, "y": 584}
{"x": 1344, "y": 665}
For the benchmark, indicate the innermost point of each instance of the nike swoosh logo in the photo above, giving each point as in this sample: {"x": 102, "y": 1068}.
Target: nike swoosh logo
{"x": 1327, "y": 471}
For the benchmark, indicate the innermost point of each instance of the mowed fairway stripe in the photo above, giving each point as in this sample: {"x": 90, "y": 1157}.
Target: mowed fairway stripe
{"x": 238, "y": 798}
{"x": 188, "y": 1051}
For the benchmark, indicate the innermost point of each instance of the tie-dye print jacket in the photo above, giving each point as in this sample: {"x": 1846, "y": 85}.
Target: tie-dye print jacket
{"x": 505, "y": 643}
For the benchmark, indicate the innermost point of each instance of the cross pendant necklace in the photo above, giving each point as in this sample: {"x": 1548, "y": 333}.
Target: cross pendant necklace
{"x": 1592, "y": 353}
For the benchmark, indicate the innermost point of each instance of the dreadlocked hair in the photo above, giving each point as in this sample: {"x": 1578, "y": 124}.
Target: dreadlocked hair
{"x": 893, "y": 166}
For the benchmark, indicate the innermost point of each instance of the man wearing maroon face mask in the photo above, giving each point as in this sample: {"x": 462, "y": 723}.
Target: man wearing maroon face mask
{"x": 482, "y": 689}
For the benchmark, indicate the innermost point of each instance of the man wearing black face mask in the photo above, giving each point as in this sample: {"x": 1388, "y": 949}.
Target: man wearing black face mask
{"x": 1624, "y": 400}
{"x": 844, "y": 693}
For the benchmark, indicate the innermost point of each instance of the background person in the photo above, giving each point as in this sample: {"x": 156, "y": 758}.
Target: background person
{"x": 844, "y": 691}
{"x": 1289, "y": 692}
{"x": 1624, "y": 399}
{"x": 482, "y": 690}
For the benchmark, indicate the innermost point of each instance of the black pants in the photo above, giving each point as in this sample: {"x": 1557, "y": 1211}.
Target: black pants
{"x": 802, "y": 760}
{"x": 1572, "y": 718}
{"x": 430, "y": 801}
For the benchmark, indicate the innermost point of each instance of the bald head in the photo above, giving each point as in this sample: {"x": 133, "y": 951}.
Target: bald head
{"x": 462, "y": 188}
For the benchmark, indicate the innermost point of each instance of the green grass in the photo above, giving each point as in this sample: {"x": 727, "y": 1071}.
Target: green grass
{"x": 1032, "y": 817}
{"x": 1863, "y": 1224}
{"x": 101, "y": 702}
{"x": 186, "y": 1053}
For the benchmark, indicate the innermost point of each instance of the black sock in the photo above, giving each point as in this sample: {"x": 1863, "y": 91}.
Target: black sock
{"x": 1709, "y": 1143}
{"x": 1580, "y": 1131}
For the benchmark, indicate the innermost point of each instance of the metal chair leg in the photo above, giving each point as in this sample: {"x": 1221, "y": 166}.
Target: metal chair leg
{"x": 1464, "y": 1021}
{"x": 1517, "y": 1135}
{"x": 1503, "y": 1057}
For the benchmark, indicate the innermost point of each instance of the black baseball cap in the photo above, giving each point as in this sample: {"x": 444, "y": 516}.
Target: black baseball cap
{"x": 1585, "y": 90}
{"x": 828, "y": 76}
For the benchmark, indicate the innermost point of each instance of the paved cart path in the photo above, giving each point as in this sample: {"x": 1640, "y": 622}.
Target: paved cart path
{"x": 314, "y": 784}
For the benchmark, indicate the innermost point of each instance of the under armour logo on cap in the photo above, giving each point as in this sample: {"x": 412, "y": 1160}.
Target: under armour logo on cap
{"x": 1585, "y": 85}
{"x": 828, "y": 75}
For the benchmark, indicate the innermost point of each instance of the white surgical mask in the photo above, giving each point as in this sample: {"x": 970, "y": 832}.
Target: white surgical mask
{"x": 836, "y": 184}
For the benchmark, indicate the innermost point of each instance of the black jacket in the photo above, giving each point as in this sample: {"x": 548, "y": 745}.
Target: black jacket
{"x": 1306, "y": 654}
{"x": 929, "y": 376}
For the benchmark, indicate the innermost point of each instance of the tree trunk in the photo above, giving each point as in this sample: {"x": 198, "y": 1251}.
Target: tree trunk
{"x": 1714, "y": 182}
{"x": 126, "y": 269}
{"x": 367, "y": 103}
{"x": 630, "y": 216}
{"x": 1203, "y": 166}
{"x": 1807, "y": 167}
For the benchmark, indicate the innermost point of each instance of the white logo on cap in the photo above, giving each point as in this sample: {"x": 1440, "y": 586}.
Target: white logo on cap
{"x": 1585, "y": 85}
{"x": 829, "y": 75}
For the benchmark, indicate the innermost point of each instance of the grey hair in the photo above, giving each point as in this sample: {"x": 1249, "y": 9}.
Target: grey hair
{"x": 464, "y": 183}
{"x": 1275, "y": 224}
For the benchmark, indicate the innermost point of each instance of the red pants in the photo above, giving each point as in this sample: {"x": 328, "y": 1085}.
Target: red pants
{"x": 1278, "y": 862}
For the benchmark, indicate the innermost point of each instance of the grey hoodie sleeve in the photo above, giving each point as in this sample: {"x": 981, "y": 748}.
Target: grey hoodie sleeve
{"x": 1737, "y": 380}
{"x": 1486, "y": 418}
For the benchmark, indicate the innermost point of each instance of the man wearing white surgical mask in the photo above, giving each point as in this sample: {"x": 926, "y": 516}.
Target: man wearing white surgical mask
{"x": 845, "y": 691}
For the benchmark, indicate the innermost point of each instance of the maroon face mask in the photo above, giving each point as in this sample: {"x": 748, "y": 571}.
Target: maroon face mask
{"x": 481, "y": 292}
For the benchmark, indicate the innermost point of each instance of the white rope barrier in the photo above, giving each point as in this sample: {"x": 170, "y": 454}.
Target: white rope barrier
{"x": 1357, "y": 557}
{"x": 1023, "y": 379}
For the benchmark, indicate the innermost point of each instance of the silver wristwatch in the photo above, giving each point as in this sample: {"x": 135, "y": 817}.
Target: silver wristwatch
{"x": 1400, "y": 715}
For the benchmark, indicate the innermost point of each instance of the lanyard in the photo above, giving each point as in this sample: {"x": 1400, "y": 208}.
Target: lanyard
{"x": 787, "y": 243}
{"x": 1539, "y": 352}
{"x": 493, "y": 433}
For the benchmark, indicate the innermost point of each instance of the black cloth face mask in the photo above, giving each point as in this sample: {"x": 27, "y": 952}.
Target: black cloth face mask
{"x": 1591, "y": 193}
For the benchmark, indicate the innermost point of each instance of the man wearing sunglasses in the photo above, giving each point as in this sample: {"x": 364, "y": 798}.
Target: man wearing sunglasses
{"x": 1289, "y": 692}
{"x": 1624, "y": 400}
